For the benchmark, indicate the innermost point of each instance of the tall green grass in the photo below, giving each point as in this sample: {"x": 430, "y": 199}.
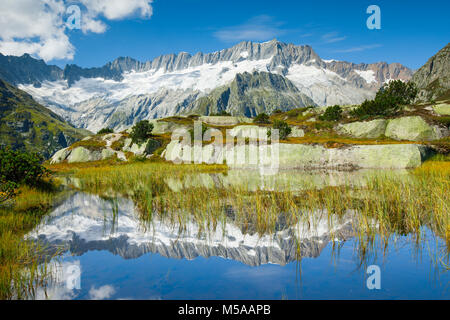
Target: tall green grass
{"x": 383, "y": 207}
{"x": 22, "y": 263}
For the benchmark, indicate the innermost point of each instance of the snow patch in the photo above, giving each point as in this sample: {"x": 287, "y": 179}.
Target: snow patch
{"x": 368, "y": 75}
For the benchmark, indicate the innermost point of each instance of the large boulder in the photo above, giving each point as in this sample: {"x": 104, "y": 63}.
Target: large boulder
{"x": 60, "y": 156}
{"x": 81, "y": 154}
{"x": 442, "y": 109}
{"x": 296, "y": 132}
{"x": 412, "y": 128}
{"x": 162, "y": 126}
{"x": 135, "y": 148}
{"x": 296, "y": 156}
{"x": 108, "y": 153}
{"x": 368, "y": 129}
{"x": 224, "y": 120}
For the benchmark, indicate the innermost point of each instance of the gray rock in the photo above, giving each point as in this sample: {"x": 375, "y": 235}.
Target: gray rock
{"x": 412, "y": 128}
{"x": 369, "y": 129}
{"x": 81, "y": 154}
{"x": 293, "y": 156}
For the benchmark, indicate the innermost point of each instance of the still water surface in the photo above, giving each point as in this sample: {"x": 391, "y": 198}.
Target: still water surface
{"x": 119, "y": 257}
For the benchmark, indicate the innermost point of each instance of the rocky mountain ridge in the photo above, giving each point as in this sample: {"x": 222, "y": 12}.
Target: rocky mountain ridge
{"x": 171, "y": 84}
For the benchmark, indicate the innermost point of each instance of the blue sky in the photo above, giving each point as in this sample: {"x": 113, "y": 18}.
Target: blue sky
{"x": 411, "y": 31}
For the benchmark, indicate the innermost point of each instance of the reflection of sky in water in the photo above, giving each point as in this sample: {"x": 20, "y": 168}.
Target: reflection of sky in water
{"x": 131, "y": 264}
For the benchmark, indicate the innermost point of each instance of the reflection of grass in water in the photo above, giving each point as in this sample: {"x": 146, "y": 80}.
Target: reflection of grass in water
{"x": 384, "y": 206}
{"x": 21, "y": 267}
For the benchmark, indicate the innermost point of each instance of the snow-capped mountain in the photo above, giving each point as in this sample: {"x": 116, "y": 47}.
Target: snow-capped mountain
{"x": 125, "y": 90}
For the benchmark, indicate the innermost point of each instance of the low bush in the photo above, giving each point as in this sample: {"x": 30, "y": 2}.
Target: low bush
{"x": 282, "y": 127}
{"x": 333, "y": 113}
{"x": 105, "y": 131}
{"x": 222, "y": 113}
{"x": 19, "y": 168}
{"x": 151, "y": 146}
{"x": 262, "y": 118}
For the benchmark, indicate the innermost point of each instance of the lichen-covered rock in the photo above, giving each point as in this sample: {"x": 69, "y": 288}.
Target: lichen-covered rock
{"x": 81, "y": 154}
{"x": 296, "y": 156}
{"x": 134, "y": 147}
{"x": 442, "y": 109}
{"x": 224, "y": 120}
{"x": 107, "y": 153}
{"x": 296, "y": 132}
{"x": 369, "y": 129}
{"x": 250, "y": 131}
{"x": 162, "y": 127}
{"x": 60, "y": 156}
{"x": 411, "y": 128}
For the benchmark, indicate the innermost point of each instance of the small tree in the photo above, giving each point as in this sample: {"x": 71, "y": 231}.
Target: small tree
{"x": 141, "y": 132}
{"x": 105, "y": 131}
{"x": 333, "y": 113}
{"x": 282, "y": 127}
{"x": 398, "y": 92}
{"x": 262, "y": 118}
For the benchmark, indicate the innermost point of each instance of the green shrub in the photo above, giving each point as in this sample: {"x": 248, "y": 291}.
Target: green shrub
{"x": 282, "y": 127}
{"x": 333, "y": 113}
{"x": 151, "y": 146}
{"x": 105, "y": 131}
{"x": 141, "y": 132}
{"x": 222, "y": 113}
{"x": 17, "y": 168}
{"x": 262, "y": 118}
{"x": 397, "y": 91}
{"x": 388, "y": 100}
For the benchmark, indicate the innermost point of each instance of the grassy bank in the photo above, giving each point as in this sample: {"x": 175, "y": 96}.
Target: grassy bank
{"x": 21, "y": 268}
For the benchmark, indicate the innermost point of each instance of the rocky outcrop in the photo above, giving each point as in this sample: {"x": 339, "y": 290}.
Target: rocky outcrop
{"x": 413, "y": 129}
{"x": 366, "y": 129}
{"x": 296, "y": 132}
{"x": 101, "y": 149}
{"x": 300, "y": 156}
{"x": 225, "y": 121}
{"x": 250, "y": 94}
{"x": 442, "y": 109}
{"x": 433, "y": 78}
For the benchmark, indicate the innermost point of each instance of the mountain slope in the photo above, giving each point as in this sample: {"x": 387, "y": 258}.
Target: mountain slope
{"x": 433, "y": 78}
{"x": 26, "y": 125}
{"x": 250, "y": 94}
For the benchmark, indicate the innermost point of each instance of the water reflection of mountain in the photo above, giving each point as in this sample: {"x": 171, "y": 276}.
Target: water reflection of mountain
{"x": 87, "y": 222}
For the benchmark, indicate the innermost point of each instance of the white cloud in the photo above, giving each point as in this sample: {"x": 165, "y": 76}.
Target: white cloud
{"x": 259, "y": 28}
{"x": 360, "y": 48}
{"x": 104, "y": 292}
{"x": 38, "y": 27}
{"x": 118, "y": 9}
{"x": 332, "y": 37}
